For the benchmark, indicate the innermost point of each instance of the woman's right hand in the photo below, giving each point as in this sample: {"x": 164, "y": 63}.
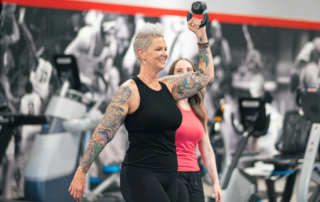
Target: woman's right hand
{"x": 78, "y": 185}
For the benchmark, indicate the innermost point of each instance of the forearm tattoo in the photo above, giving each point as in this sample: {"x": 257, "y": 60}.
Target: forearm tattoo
{"x": 106, "y": 130}
{"x": 204, "y": 57}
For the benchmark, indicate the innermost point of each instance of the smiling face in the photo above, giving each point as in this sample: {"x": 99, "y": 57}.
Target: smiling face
{"x": 156, "y": 54}
{"x": 183, "y": 67}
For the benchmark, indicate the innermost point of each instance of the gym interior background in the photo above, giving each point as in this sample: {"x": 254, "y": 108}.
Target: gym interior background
{"x": 268, "y": 32}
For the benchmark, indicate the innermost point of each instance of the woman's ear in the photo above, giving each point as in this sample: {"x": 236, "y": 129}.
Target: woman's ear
{"x": 141, "y": 53}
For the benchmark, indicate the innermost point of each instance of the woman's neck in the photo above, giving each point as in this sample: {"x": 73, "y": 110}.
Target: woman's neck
{"x": 184, "y": 104}
{"x": 149, "y": 77}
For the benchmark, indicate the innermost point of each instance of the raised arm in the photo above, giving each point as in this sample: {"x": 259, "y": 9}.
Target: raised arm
{"x": 225, "y": 53}
{"x": 15, "y": 36}
{"x": 247, "y": 36}
{"x": 102, "y": 135}
{"x": 187, "y": 85}
{"x": 80, "y": 43}
{"x": 27, "y": 35}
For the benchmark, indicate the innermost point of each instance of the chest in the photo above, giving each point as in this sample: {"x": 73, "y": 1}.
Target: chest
{"x": 155, "y": 111}
{"x": 191, "y": 129}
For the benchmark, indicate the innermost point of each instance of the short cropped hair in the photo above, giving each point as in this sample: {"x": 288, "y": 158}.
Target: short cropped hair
{"x": 142, "y": 39}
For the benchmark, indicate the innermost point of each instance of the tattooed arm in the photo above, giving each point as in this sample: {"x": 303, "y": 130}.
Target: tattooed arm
{"x": 187, "y": 85}
{"x": 109, "y": 125}
{"x": 102, "y": 135}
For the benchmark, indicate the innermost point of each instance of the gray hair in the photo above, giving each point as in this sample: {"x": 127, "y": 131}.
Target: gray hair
{"x": 142, "y": 39}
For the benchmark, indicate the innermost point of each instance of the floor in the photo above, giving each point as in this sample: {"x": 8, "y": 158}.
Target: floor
{"x": 279, "y": 185}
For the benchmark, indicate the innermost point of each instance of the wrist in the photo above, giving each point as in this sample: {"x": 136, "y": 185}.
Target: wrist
{"x": 80, "y": 170}
{"x": 202, "y": 45}
{"x": 202, "y": 38}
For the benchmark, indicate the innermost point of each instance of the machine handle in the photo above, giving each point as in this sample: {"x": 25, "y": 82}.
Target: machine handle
{"x": 199, "y": 8}
{"x": 24, "y": 119}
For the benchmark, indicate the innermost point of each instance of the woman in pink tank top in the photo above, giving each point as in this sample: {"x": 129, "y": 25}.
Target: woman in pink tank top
{"x": 193, "y": 131}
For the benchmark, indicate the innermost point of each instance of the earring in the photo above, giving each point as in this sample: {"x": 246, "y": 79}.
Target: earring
{"x": 144, "y": 62}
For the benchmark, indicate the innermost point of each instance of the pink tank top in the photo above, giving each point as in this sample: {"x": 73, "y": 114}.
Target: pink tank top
{"x": 188, "y": 135}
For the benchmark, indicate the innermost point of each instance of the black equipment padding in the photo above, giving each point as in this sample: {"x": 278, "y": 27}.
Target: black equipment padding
{"x": 310, "y": 100}
{"x": 295, "y": 133}
{"x": 251, "y": 107}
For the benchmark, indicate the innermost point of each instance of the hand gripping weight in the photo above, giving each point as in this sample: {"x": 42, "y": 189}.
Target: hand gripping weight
{"x": 199, "y": 8}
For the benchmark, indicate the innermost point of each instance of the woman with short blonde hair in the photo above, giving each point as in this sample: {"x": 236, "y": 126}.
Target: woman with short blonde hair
{"x": 146, "y": 105}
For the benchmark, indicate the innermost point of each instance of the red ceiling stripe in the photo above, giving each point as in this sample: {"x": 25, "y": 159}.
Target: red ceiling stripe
{"x": 157, "y": 12}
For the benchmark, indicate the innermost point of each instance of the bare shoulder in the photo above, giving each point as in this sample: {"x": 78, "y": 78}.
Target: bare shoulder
{"x": 86, "y": 31}
{"x": 131, "y": 84}
{"x": 81, "y": 42}
{"x": 125, "y": 93}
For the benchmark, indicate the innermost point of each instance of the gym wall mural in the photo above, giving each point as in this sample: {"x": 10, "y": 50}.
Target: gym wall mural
{"x": 249, "y": 61}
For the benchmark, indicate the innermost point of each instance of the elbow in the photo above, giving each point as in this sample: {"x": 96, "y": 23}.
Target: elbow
{"x": 211, "y": 76}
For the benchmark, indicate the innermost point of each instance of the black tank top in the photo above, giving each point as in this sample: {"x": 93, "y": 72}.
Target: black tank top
{"x": 152, "y": 129}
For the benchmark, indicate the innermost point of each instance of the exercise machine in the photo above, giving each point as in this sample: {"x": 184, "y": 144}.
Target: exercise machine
{"x": 238, "y": 185}
{"x": 310, "y": 102}
{"x": 87, "y": 124}
{"x": 9, "y": 123}
{"x": 54, "y": 155}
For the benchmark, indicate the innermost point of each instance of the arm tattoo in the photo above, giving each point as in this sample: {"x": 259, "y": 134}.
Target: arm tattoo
{"x": 170, "y": 79}
{"x": 110, "y": 119}
{"x": 203, "y": 56}
{"x": 188, "y": 85}
{"x": 106, "y": 130}
{"x": 122, "y": 95}
{"x": 98, "y": 140}
{"x": 102, "y": 135}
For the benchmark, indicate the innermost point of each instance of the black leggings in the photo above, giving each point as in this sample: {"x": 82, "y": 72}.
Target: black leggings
{"x": 139, "y": 185}
{"x": 190, "y": 188}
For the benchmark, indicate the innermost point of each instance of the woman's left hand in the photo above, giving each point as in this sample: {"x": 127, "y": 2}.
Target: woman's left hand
{"x": 217, "y": 192}
{"x": 194, "y": 26}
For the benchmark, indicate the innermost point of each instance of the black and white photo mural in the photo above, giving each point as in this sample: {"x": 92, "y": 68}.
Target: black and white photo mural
{"x": 252, "y": 61}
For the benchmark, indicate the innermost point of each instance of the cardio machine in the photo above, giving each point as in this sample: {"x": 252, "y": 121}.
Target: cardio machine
{"x": 54, "y": 155}
{"x": 86, "y": 124}
{"x": 310, "y": 102}
{"x": 9, "y": 124}
{"x": 238, "y": 185}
